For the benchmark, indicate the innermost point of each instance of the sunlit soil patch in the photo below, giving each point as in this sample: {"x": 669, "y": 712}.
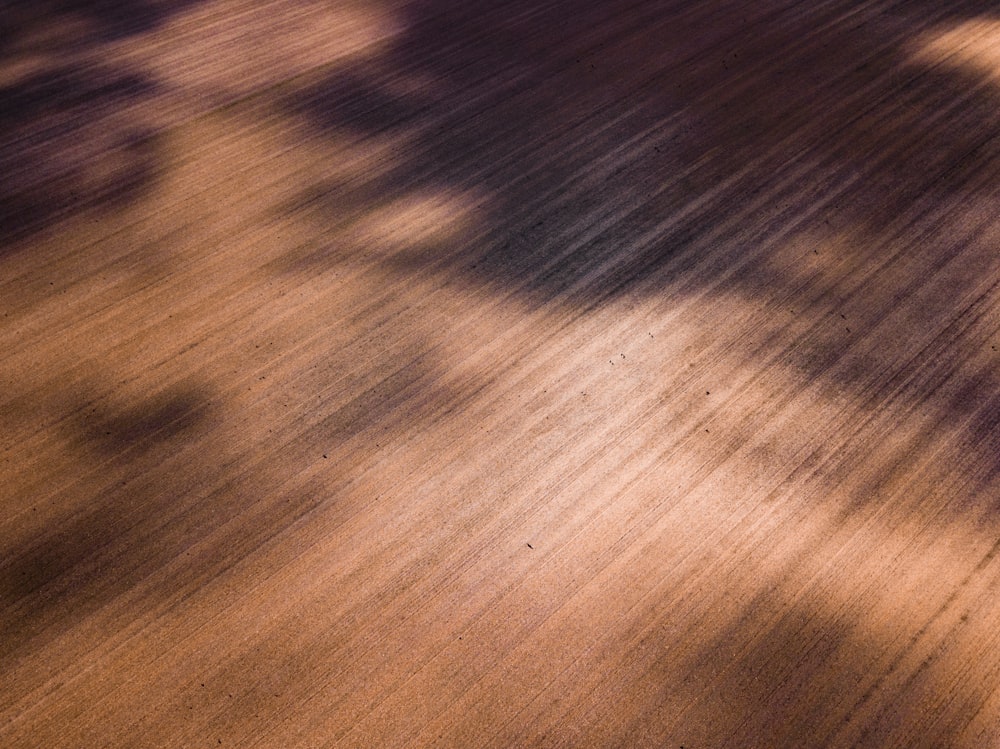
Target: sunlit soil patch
{"x": 417, "y": 220}
{"x": 971, "y": 46}
{"x": 216, "y": 53}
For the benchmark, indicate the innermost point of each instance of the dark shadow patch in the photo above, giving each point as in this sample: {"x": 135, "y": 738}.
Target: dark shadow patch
{"x": 69, "y": 143}
{"x": 168, "y": 416}
{"x": 658, "y": 148}
{"x": 38, "y": 102}
{"x": 72, "y": 137}
{"x": 522, "y": 110}
{"x": 796, "y": 673}
{"x": 98, "y": 549}
{"x": 352, "y": 101}
{"x": 103, "y": 20}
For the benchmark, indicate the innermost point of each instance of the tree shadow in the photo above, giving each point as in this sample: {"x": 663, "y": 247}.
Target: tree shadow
{"x": 102, "y": 20}
{"x": 72, "y": 139}
{"x": 67, "y": 148}
{"x": 163, "y": 482}
{"x": 715, "y": 116}
{"x": 138, "y": 436}
{"x": 799, "y": 158}
{"x": 809, "y": 672}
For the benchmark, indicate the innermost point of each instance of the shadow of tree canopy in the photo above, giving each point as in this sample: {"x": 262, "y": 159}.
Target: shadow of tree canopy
{"x": 70, "y": 138}
{"x": 68, "y": 147}
{"x": 705, "y": 114}
{"x": 801, "y": 157}
{"x": 104, "y": 20}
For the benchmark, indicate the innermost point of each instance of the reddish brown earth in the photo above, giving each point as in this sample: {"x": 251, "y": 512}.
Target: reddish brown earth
{"x": 521, "y": 374}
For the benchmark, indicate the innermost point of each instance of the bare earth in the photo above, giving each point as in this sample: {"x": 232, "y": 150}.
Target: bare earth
{"x": 542, "y": 373}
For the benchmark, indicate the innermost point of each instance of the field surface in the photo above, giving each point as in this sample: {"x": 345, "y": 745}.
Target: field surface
{"x": 542, "y": 373}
